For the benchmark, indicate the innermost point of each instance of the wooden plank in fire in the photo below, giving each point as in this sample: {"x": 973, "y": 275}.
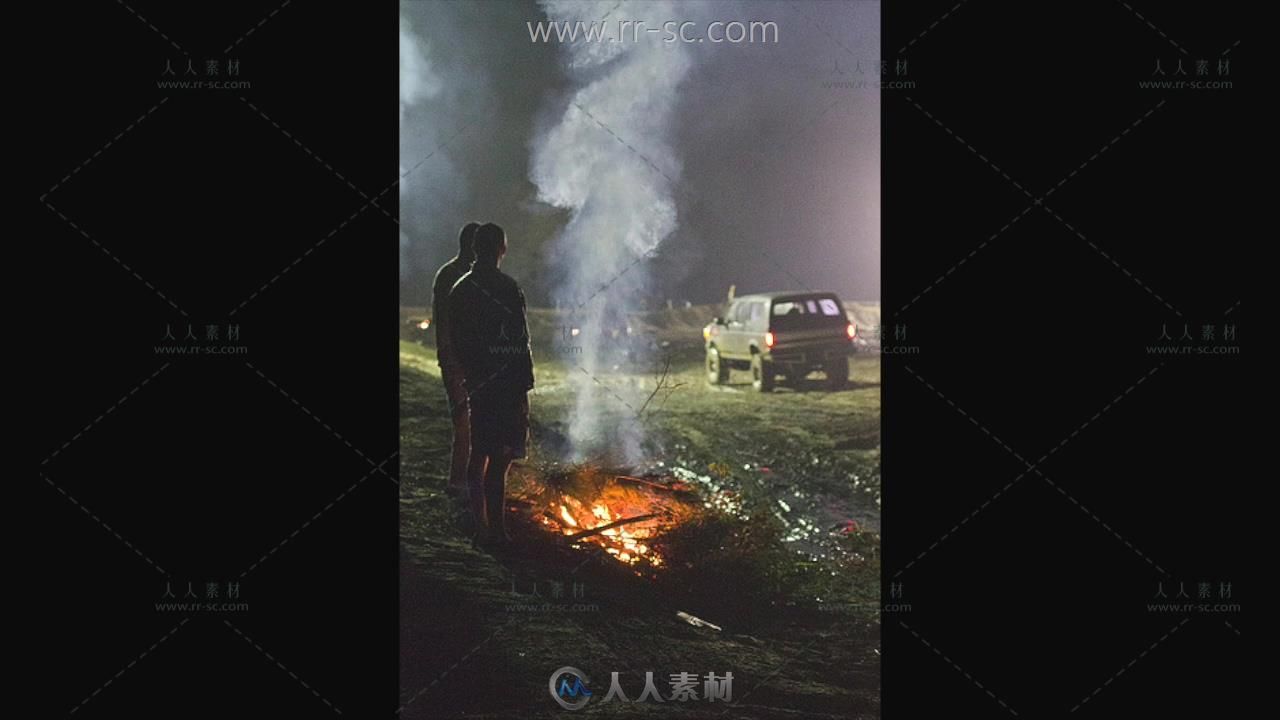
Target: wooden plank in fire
{"x": 610, "y": 526}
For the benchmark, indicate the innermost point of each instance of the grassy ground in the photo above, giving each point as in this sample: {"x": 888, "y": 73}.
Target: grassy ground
{"x": 796, "y": 601}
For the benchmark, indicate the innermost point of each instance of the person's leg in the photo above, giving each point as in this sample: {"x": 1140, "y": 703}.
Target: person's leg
{"x": 476, "y": 467}
{"x": 461, "y": 446}
{"x": 461, "y": 449}
{"x": 495, "y": 488}
{"x": 511, "y": 427}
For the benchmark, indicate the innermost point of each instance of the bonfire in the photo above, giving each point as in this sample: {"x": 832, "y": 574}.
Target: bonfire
{"x": 618, "y": 513}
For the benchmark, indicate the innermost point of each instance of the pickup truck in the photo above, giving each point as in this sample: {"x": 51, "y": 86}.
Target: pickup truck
{"x": 784, "y": 333}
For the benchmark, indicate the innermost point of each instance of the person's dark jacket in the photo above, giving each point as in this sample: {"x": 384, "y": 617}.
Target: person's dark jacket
{"x": 446, "y": 277}
{"x": 490, "y": 333}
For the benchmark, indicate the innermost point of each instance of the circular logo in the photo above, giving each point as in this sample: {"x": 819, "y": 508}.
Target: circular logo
{"x": 569, "y": 689}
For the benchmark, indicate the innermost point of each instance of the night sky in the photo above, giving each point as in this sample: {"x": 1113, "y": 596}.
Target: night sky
{"x": 776, "y": 148}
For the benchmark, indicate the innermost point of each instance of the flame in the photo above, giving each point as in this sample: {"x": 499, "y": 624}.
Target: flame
{"x": 624, "y": 543}
{"x": 568, "y": 517}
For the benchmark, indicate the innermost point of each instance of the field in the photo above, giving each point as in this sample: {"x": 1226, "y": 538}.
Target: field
{"x": 789, "y": 569}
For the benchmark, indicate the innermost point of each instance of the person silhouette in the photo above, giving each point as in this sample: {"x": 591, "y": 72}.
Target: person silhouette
{"x": 450, "y": 367}
{"x": 490, "y": 334}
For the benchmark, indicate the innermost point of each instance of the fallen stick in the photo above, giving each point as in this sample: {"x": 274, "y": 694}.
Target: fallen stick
{"x": 610, "y": 526}
{"x": 697, "y": 621}
{"x": 681, "y": 487}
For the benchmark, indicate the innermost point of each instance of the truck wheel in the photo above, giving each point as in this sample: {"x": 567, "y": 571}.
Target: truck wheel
{"x": 717, "y": 369}
{"x": 837, "y": 374}
{"x": 762, "y": 374}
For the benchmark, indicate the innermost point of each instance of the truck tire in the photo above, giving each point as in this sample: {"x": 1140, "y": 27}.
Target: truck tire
{"x": 762, "y": 374}
{"x": 717, "y": 368}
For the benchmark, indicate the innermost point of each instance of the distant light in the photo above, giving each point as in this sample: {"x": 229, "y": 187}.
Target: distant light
{"x": 574, "y": 332}
{"x": 424, "y": 324}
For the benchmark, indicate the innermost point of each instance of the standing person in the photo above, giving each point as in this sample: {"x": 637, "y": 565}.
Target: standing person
{"x": 491, "y": 339}
{"x": 450, "y": 367}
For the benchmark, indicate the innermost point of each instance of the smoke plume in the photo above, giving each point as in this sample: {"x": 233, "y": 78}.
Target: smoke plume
{"x": 432, "y": 184}
{"x": 610, "y": 161}
{"x": 417, "y": 81}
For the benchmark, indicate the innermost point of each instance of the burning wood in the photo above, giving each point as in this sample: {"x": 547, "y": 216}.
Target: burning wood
{"x": 623, "y": 543}
{"x": 619, "y": 513}
{"x": 610, "y": 526}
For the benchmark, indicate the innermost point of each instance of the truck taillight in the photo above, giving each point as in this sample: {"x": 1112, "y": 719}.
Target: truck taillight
{"x": 768, "y": 339}
{"x": 851, "y": 330}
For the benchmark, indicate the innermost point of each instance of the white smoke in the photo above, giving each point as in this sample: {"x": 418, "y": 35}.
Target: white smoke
{"x": 417, "y": 81}
{"x": 430, "y": 181}
{"x": 609, "y": 160}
